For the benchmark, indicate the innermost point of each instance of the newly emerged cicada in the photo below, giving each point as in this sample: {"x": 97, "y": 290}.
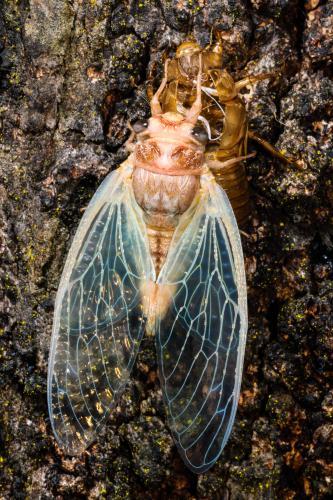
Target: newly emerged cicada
{"x": 157, "y": 251}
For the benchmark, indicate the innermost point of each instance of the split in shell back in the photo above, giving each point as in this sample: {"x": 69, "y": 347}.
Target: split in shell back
{"x": 100, "y": 319}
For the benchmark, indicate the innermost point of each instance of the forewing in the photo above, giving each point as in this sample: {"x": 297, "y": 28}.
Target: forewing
{"x": 99, "y": 319}
{"x": 201, "y": 338}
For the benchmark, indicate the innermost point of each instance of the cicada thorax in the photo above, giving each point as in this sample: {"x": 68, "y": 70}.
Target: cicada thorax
{"x": 222, "y": 108}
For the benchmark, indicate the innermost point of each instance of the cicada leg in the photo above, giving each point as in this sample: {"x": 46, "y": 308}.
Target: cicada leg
{"x": 150, "y": 90}
{"x": 155, "y": 105}
{"x": 225, "y": 88}
{"x": 275, "y": 152}
{"x": 130, "y": 143}
{"x": 251, "y": 79}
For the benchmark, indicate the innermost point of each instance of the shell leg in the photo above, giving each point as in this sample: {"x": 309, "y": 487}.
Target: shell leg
{"x": 275, "y": 152}
{"x": 251, "y": 79}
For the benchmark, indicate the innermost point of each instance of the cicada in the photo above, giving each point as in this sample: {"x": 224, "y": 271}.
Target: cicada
{"x": 157, "y": 252}
{"x": 224, "y": 112}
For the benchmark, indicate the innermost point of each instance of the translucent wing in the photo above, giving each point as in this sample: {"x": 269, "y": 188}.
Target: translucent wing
{"x": 98, "y": 323}
{"x": 201, "y": 338}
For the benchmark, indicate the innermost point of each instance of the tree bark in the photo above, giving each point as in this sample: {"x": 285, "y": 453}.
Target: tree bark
{"x": 73, "y": 72}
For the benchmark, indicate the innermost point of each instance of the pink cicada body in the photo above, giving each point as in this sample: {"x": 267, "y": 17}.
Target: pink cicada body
{"x": 157, "y": 251}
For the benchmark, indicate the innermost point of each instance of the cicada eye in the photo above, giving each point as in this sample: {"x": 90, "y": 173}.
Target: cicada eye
{"x": 140, "y": 126}
{"x": 200, "y": 133}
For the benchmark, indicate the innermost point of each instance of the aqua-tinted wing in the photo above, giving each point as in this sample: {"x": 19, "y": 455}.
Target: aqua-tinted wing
{"x": 98, "y": 323}
{"x": 201, "y": 338}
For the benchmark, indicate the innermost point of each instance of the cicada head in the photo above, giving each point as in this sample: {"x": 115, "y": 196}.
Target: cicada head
{"x": 187, "y": 48}
{"x": 172, "y": 142}
{"x": 187, "y": 56}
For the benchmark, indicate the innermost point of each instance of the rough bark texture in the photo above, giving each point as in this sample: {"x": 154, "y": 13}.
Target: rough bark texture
{"x": 72, "y": 73}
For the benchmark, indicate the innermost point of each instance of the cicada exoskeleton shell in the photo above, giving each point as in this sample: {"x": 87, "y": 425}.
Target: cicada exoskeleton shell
{"x": 227, "y": 120}
{"x": 225, "y": 113}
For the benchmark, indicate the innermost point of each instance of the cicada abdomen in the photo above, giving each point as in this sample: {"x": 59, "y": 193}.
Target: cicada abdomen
{"x": 224, "y": 114}
{"x": 157, "y": 252}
